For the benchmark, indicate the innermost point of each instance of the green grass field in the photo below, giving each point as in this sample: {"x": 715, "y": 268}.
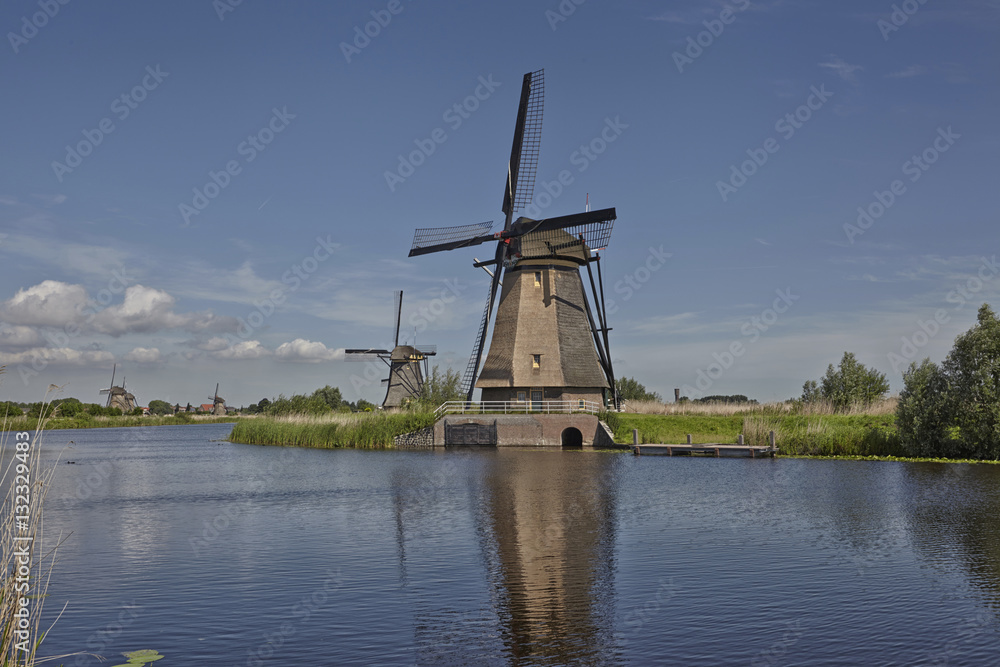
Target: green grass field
{"x": 807, "y": 435}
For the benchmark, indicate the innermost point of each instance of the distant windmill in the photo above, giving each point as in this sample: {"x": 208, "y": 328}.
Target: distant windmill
{"x": 218, "y": 403}
{"x": 117, "y": 396}
{"x": 406, "y": 378}
{"x": 546, "y": 344}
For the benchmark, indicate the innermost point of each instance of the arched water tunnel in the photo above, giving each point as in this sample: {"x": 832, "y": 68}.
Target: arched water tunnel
{"x": 571, "y": 437}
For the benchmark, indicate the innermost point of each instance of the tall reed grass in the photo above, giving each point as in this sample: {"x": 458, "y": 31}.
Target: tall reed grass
{"x": 25, "y": 423}
{"x": 368, "y": 430}
{"x": 26, "y": 559}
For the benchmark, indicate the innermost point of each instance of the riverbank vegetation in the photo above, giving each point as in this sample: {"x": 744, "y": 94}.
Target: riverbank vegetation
{"x": 27, "y": 555}
{"x": 953, "y": 410}
{"x": 373, "y": 430}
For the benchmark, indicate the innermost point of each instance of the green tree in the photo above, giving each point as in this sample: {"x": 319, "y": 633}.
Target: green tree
{"x": 158, "y": 407}
{"x": 972, "y": 369}
{"x": 331, "y": 396}
{"x": 364, "y": 406}
{"x": 298, "y": 404}
{"x": 441, "y": 387}
{"x": 810, "y": 392}
{"x": 69, "y": 407}
{"x": 923, "y": 416}
{"x": 852, "y": 384}
{"x": 10, "y": 410}
{"x": 631, "y": 390}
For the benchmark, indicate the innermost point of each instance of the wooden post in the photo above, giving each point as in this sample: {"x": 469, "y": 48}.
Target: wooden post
{"x": 635, "y": 437}
{"x": 739, "y": 440}
{"x": 770, "y": 438}
{"x": 689, "y": 438}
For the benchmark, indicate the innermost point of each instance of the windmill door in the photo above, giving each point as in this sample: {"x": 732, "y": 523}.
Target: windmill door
{"x": 536, "y": 399}
{"x": 470, "y": 434}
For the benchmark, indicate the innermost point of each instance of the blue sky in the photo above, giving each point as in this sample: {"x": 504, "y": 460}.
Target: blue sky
{"x": 745, "y": 138}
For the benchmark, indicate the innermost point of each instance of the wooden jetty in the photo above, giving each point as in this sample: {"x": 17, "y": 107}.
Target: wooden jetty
{"x": 711, "y": 449}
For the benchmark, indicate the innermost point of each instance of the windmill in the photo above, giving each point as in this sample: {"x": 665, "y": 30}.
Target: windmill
{"x": 117, "y": 396}
{"x": 546, "y": 344}
{"x": 218, "y": 403}
{"x": 406, "y": 378}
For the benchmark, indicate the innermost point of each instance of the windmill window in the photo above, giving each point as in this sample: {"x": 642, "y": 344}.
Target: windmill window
{"x": 536, "y": 361}
{"x": 581, "y": 404}
{"x": 522, "y": 397}
{"x": 538, "y": 278}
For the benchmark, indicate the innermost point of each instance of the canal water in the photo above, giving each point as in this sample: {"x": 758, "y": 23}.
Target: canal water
{"x": 216, "y": 553}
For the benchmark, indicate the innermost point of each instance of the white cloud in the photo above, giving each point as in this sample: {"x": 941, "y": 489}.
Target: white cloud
{"x": 142, "y": 310}
{"x": 144, "y": 355}
{"x": 248, "y": 349}
{"x": 62, "y": 356}
{"x": 50, "y": 303}
{"x": 213, "y": 344}
{"x": 305, "y": 351}
{"x": 843, "y": 69}
{"x": 18, "y": 336}
{"x": 146, "y": 309}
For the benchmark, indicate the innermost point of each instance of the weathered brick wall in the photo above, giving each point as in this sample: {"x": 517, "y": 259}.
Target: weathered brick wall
{"x": 532, "y": 430}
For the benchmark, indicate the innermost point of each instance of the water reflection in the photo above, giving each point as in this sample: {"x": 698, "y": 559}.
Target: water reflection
{"x": 953, "y": 518}
{"x": 550, "y": 521}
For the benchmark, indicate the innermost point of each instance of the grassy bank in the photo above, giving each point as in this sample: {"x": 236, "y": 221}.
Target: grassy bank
{"x": 372, "y": 430}
{"x": 86, "y": 421}
{"x": 796, "y": 434}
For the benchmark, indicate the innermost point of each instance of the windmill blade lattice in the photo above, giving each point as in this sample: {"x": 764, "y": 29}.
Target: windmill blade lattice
{"x": 523, "y": 163}
{"x": 435, "y": 239}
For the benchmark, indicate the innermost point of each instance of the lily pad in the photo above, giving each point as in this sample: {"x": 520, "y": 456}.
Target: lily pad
{"x": 140, "y": 658}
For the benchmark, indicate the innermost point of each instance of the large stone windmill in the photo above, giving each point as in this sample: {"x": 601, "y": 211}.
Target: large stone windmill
{"x": 218, "y": 403}
{"x": 546, "y": 344}
{"x": 117, "y": 396}
{"x": 406, "y": 377}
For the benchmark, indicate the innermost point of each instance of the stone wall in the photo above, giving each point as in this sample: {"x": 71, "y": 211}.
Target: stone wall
{"x": 418, "y": 439}
{"x": 532, "y": 430}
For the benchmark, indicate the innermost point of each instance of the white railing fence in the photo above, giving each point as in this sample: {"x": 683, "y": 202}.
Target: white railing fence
{"x": 518, "y": 407}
